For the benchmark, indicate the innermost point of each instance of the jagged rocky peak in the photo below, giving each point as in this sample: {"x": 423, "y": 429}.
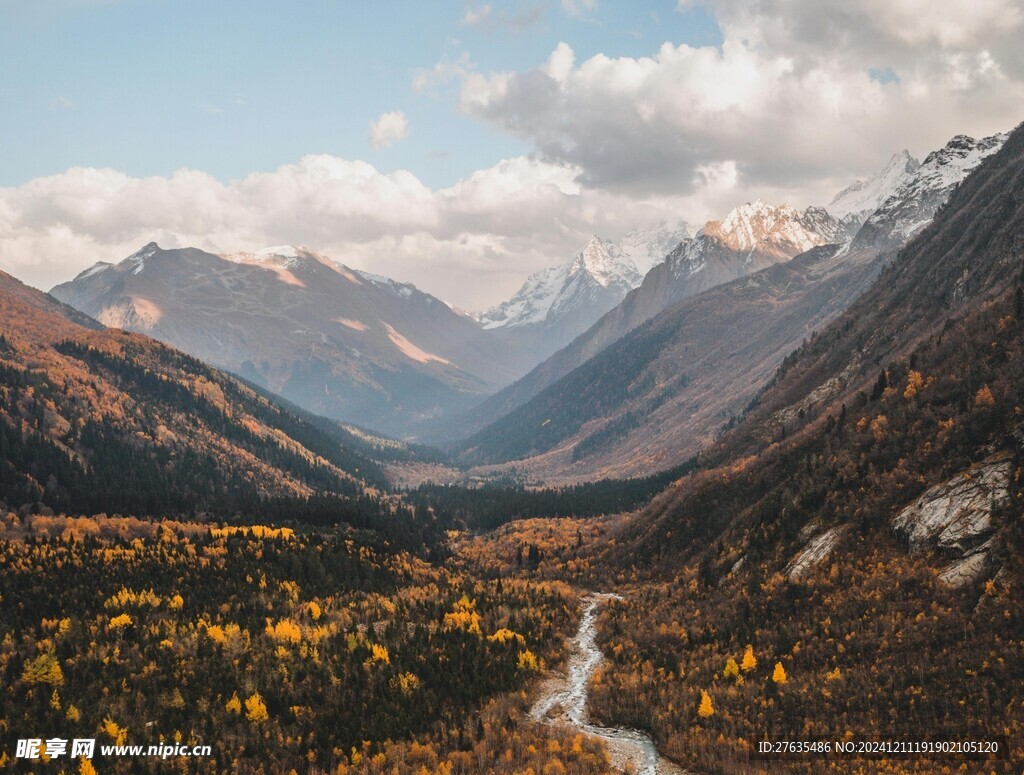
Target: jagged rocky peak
{"x": 648, "y": 247}
{"x": 779, "y": 230}
{"x": 856, "y": 202}
{"x": 555, "y": 290}
{"x": 917, "y": 198}
{"x": 604, "y": 262}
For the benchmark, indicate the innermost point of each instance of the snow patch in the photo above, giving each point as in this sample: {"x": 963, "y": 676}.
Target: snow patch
{"x": 284, "y": 251}
{"x": 94, "y": 270}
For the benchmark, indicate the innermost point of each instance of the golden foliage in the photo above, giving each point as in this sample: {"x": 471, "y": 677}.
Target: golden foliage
{"x": 749, "y": 660}
{"x": 44, "y": 669}
{"x": 706, "y": 708}
{"x": 779, "y": 674}
{"x": 256, "y": 709}
{"x": 984, "y": 398}
{"x": 119, "y": 622}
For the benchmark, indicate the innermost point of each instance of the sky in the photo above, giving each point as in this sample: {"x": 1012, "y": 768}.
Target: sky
{"x": 463, "y": 145}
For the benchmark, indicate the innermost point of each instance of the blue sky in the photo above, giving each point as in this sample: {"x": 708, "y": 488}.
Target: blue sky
{"x": 150, "y": 86}
{"x": 525, "y": 126}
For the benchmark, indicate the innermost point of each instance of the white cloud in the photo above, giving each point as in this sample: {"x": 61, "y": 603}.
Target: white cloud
{"x": 60, "y": 102}
{"x": 520, "y": 16}
{"x": 791, "y": 99}
{"x": 477, "y": 15}
{"x": 388, "y": 129}
{"x": 579, "y": 8}
{"x": 442, "y": 73}
{"x": 471, "y": 243}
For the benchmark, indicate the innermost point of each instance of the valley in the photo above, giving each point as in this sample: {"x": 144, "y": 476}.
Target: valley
{"x": 773, "y": 491}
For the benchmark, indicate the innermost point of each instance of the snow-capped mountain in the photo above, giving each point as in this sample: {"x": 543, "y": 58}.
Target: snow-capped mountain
{"x": 346, "y": 344}
{"x": 647, "y": 248}
{"x": 598, "y": 274}
{"x": 855, "y": 203}
{"x": 919, "y": 194}
{"x": 752, "y": 237}
{"x": 780, "y": 231}
{"x": 556, "y": 304}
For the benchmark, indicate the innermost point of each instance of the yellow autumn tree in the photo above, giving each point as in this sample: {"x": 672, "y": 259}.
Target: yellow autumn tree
{"x": 116, "y": 732}
{"x": 44, "y": 669}
{"x": 749, "y": 661}
{"x": 527, "y": 661}
{"x": 779, "y": 674}
{"x": 706, "y": 709}
{"x": 256, "y": 709}
{"x": 119, "y": 622}
{"x": 234, "y": 705}
{"x": 984, "y": 398}
{"x": 732, "y": 670}
{"x": 915, "y": 382}
{"x": 85, "y": 767}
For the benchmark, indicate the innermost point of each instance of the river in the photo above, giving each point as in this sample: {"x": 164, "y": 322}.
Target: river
{"x": 563, "y": 700}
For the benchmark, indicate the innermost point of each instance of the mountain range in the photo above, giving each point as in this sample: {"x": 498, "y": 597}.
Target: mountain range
{"x": 380, "y": 354}
{"x": 347, "y": 345}
{"x": 668, "y": 367}
{"x": 96, "y": 419}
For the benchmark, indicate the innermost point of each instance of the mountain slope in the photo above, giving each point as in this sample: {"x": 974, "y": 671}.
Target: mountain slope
{"x": 950, "y": 300}
{"x": 752, "y": 237}
{"x": 858, "y": 537}
{"x": 346, "y": 345}
{"x": 556, "y": 304}
{"x": 98, "y": 420}
{"x": 726, "y": 344}
{"x": 663, "y": 390}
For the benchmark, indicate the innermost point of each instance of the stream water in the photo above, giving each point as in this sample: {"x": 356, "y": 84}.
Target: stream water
{"x": 564, "y": 700}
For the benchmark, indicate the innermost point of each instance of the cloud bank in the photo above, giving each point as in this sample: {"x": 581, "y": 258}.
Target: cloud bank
{"x": 799, "y": 96}
{"x": 799, "y": 99}
{"x": 471, "y": 243}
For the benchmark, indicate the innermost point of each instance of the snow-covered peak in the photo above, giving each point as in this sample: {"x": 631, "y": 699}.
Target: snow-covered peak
{"x": 778, "y": 230}
{"x": 647, "y": 248}
{"x": 600, "y": 269}
{"x": 950, "y": 164}
{"x": 856, "y": 202}
{"x": 604, "y": 262}
{"x": 136, "y": 262}
{"x": 915, "y": 201}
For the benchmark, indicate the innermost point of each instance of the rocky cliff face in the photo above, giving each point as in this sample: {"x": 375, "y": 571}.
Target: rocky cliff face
{"x": 957, "y": 518}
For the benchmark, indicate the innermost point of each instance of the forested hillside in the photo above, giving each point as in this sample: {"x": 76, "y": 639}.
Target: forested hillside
{"x": 98, "y": 421}
{"x": 868, "y": 508}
